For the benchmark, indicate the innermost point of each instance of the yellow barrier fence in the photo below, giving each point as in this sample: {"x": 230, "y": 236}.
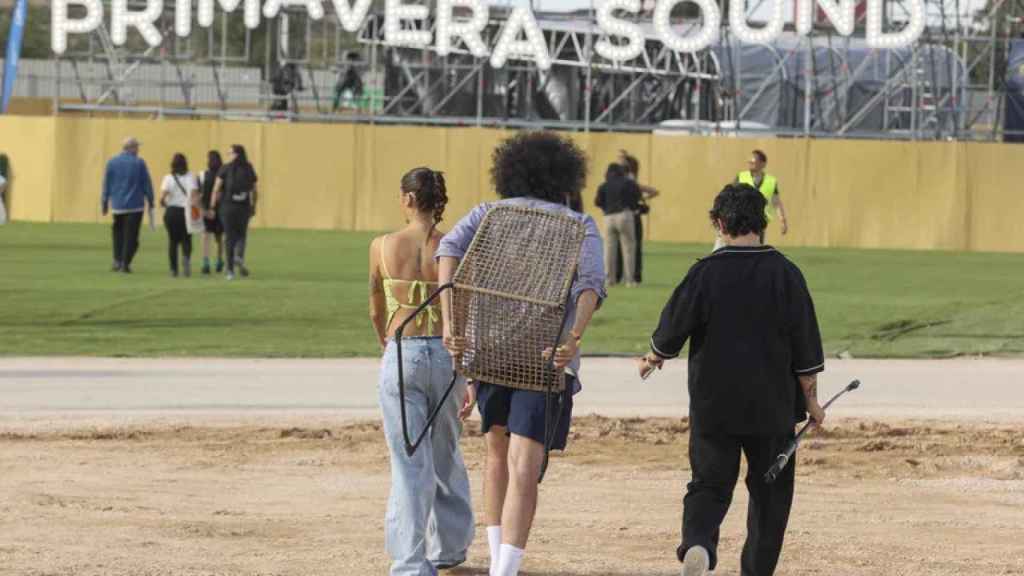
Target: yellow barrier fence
{"x": 867, "y": 194}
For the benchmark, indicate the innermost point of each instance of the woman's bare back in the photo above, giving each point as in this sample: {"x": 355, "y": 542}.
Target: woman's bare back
{"x": 407, "y": 257}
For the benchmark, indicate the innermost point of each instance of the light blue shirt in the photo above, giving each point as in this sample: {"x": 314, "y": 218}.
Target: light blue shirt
{"x": 590, "y": 273}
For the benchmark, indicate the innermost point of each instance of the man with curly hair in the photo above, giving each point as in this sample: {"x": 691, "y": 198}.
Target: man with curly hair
{"x": 544, "y": 171}
{"x": 755, "y": 352}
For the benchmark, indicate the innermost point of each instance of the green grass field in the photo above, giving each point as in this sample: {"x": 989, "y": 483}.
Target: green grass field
{"x": 307, "y": 298}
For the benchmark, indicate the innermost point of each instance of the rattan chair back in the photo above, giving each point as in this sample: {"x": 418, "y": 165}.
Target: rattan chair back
{"x": 510, "y": 294}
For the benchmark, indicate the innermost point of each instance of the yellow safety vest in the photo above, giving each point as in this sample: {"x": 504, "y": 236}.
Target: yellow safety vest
{"x": 768, "y": 187}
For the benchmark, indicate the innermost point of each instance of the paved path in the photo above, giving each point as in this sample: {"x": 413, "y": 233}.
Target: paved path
{"x": 987, "y": 389}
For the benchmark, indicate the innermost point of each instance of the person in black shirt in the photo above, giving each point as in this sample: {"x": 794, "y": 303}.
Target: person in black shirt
{"x": 619, "y": 199}
{"x": 235, "y": 200}
{"x": 755, "y": 352}
{"x": 214, "y": 227}
{"x": 632, "y": 167}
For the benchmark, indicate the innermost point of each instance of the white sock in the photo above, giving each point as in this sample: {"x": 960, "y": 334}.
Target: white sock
{"x": 511, "y": 558}
{"x": 494, "y": 541}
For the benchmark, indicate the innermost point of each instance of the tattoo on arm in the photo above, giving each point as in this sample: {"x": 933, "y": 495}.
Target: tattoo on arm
{"x": 376, "y": 286}
{"x": 810, "y": 386}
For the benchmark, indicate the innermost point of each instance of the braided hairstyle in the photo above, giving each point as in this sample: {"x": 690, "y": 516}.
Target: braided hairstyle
{"x": 429, "y": 191}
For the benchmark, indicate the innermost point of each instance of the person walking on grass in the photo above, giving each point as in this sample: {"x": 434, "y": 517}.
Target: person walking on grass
{"x": 755, "y": 352}
{"x": 235, "y": 200}
{"x": 632, "y": 167}
{"x": 127, "y": 192}
{"x": 619, "y": 198}
{"x": 214, "y": 229}
{"x": 429, "y": 522}
{"x": 544, "y": 171}
{"x": 178, "y": 189}
{"x": 768, "y": 186}
{"x": 3, "y": 196}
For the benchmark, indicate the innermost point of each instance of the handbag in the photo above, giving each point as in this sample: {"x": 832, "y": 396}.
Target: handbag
{"x": 193, "y": 214}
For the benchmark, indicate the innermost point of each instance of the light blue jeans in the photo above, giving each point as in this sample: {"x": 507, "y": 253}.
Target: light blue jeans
{"x": 430, "y": 518}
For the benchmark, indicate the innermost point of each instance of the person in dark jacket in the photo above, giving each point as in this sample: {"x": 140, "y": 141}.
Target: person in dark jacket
{"x": 235, "y": 200}
{"x": 619, "y": 199}
{"x": 632, "y": 167}
{"x": 127, "y": 192}
{"x": 755, "y": 352}
{"x": 214, "y": 227}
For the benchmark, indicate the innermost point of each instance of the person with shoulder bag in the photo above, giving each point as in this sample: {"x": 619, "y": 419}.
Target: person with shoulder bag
{"x": 178, "y": 188}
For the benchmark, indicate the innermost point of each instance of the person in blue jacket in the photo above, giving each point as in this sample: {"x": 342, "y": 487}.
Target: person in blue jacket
{"x": 127, "y": 192}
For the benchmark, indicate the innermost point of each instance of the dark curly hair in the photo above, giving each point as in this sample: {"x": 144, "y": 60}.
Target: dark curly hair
{"x": 540, "y": 165}
{"x": 740, "y": 207}
{"x": 428, "y": 188}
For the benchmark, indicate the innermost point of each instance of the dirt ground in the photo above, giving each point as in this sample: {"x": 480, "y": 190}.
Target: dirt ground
{"x": 292, "y": 494}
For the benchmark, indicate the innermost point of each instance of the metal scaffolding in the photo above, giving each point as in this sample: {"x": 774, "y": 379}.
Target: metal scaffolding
{"x": 950, "y": 85}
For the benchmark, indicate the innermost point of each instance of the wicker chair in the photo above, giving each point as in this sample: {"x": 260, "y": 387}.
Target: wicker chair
{"x": 509, "y": 297}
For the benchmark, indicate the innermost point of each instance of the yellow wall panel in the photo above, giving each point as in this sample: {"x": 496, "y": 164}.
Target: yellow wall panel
{"x": 995, "y": 203}
{"x": 465, "y": 175}
{"x": 79, "y": 182}
{"x": 29, "y": 145}
{"x": 943, "y": 195}
{"x": 307, "y": 176}
{"x": 396, "y": 150}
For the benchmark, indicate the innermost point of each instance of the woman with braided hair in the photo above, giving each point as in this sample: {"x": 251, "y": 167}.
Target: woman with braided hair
{"x": 429, "y": 522}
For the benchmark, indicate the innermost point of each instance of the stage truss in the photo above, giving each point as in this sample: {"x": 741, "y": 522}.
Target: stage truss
{"x": 951, "y": 85}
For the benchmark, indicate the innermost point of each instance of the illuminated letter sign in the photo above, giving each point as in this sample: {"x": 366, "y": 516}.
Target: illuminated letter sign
{"x": 520, "y": 38}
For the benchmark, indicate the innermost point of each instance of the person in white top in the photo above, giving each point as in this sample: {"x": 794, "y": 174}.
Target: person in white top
{"x": 3, "y": 193}
{"x": 178, "y": 189}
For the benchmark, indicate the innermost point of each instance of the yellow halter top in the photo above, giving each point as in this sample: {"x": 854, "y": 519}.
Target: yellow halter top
{"x": 420, "y": 286}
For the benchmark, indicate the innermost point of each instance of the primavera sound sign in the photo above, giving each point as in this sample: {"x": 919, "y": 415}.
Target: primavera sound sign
{"x": 520, "y": 37}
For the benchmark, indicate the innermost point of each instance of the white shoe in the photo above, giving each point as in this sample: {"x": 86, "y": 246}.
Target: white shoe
{"x": 696, "y": 562}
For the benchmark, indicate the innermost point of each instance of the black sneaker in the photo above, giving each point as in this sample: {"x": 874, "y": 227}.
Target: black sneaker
{"x": 449, "y": 564}
{"x": 206, "y": 269}
{"x": 126, "y": 269}
{"x": 220, "y": 266}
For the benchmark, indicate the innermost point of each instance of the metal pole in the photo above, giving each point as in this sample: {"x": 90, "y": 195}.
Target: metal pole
{"x": 373, "y": 70}
{"x": 737, "y": 84}
{"x": 914, "y": 93}
{"x": 955, "y": 67}
{"x": 885, "y": 88}
{"x": 480, "y": 91}
{"x": 807, "y": 88}
{"x": 590, "y": 67}
{"x": 163, "y": 80}
{"x": 992, "y": 65}
{"x": 56, "y": 85}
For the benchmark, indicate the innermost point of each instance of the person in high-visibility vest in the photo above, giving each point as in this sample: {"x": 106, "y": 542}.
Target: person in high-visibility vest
{"x": 767, "y": 185}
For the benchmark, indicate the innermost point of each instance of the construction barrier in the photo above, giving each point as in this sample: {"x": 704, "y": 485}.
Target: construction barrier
{"x": 850, "y": 193}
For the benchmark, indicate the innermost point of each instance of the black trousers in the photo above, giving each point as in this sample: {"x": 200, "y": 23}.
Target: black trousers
{"x": 236, "y": 228}
{"x": 177, "y": 235}
{"x": 715, "y": 461}
{"x": 126, "y": 237}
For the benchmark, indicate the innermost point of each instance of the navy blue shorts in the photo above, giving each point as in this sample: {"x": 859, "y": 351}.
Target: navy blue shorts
{"x": 522, "y": 411}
